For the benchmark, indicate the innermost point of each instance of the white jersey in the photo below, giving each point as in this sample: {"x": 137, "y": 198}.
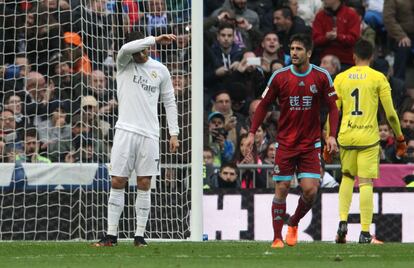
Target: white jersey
{"x": 139, "y": 87}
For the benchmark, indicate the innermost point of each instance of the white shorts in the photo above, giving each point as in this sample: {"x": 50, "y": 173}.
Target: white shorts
{"x": 132, "y": 151}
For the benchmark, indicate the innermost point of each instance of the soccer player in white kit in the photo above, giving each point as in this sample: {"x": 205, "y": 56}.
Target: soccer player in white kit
{"x": 140, "y": 82}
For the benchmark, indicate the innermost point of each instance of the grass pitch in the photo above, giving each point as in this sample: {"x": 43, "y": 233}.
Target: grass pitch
{"x": 205, "y": 254}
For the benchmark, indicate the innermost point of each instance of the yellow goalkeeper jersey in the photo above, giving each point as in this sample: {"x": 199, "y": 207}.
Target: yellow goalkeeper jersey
{"x": 359, "y": 89}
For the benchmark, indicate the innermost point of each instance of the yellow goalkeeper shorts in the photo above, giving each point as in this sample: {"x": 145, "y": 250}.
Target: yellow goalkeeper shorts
{"x": 363, "y": 163}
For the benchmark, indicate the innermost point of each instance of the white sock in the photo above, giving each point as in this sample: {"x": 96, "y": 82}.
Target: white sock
{"x": 116, "y": 204}
{"x": 142, "y": 209}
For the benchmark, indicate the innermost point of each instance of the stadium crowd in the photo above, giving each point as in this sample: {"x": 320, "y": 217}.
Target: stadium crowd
{"x": 57, "y": 75}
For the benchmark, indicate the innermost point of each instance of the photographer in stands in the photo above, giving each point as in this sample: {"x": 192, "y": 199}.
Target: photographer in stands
{"x": 222, "y": 147}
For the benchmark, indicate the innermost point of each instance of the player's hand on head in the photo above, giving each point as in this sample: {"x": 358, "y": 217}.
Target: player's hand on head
{"x": 401, "y": 147}
{"x": 174, "y": 144}
{"x": 165, "y": 39}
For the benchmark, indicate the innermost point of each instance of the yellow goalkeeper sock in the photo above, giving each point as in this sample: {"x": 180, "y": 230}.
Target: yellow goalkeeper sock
{"x": 366, "y": 205}
{"x": 345, "y": 197}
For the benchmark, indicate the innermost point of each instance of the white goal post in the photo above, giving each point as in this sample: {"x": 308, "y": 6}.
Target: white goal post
{"x": 58, "y": 109}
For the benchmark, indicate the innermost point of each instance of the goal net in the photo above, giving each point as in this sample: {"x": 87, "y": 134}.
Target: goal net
{"x": 59, "y": 108}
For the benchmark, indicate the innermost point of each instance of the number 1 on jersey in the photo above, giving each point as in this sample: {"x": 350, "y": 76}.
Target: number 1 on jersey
{"x": 355, "y": 94}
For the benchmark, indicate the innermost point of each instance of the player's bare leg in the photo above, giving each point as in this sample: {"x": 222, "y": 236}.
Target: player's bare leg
{"x": 309, "y": 191}
{"x": 279, "y": 212}
{"x": 115, "y": 207}
{"x": 142, "y": 209}
{"x": 366, "y": 209}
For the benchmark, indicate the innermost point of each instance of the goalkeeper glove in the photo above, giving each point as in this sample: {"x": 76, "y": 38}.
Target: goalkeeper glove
{"x": 327, "y": 157}
{"x": 401, "y": 146}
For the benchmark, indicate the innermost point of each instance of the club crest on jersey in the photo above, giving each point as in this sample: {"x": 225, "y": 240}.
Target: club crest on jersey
{"x": 276, "y": 169}
{"x": 154, "y": 74}
{"x": 313, "y": 89}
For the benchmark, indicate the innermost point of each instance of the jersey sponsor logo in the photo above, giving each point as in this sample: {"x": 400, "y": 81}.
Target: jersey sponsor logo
{"x": 353, "y": 126}
{"x": 313, "y": 89}
{"x": 300, "y": 104}
{"x": 144, "y": 84}
{"x": 265, "y": 92}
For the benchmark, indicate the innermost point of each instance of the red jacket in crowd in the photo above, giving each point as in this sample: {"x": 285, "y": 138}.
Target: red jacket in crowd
{"x": 348, "y": 26}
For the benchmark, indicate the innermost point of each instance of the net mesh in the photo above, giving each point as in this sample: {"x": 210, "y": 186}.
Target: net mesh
{"x": 59, "y": 108}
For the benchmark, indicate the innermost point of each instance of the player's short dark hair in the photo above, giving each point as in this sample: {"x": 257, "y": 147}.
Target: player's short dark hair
{"x": 363, "y": 49}
{"x": 303, "y": 38}
{"x": 229, "y": 165}
{"x": 134, "y": 35}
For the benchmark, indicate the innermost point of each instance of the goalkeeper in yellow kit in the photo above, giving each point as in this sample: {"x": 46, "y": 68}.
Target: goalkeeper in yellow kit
{"x": 359, "y": 89}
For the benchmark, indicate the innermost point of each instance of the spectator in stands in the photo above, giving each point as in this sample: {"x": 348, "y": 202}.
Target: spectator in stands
{"x": 23, "y": 62}
{"x": 251, "y": 74}
{"x": 367, "y": 32}
{"x": 399, "y": 22}
{"x": 226, "y": 53}
{"x": 252, "y": 109}
{"x": 61, "y": 12}
{"x": 13, "y": 102}
{"x": 239, "y": 100}
{"x": 182, "y": 47}
{"x": 233, "y": 121}
{"x": 239, "y": 7}
{"x": 222, "y": 147}
{"x": 156, "y": 20}
{"x": 53, "y": 130}
{"x": 270, "y": 50}
{"x": 208, "y": 167}
{"x": 327, "y": 181}
{"x": 261, "y": 140}
{"x": 276, "y": 65}
{"x": 245, "y": 35}
{"x": 41, "y": 37}
{"x": 100, "y": 128}
{"x": 250, "y": 178}
{"x": 335, "y": 31}
{"x": 409, "y": 157}
{"x": 8, "y": 133}
{"x": 399, "y": 90}
{"x": 307, "y": 10}
{"x": 268, "y": 157}
{"x": 37, "y": 97}
{"x": 287, "y": 25}
{"x": 373, "y": 15}
{"x": 407, "y": 121}
{"x": 179, "y": 79}
{"x": 96, "y": 31}
{"x": 68, "y": 149}
{"x": 332, "y": 64}
{"x": 227, "y": 177}
{"x": 31, "y": 147}
{"x": 386, "y": 142}
{"x": 79, "y": 60}
{"x": 68, "y": 84}
{"x": 104, "y": 94}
